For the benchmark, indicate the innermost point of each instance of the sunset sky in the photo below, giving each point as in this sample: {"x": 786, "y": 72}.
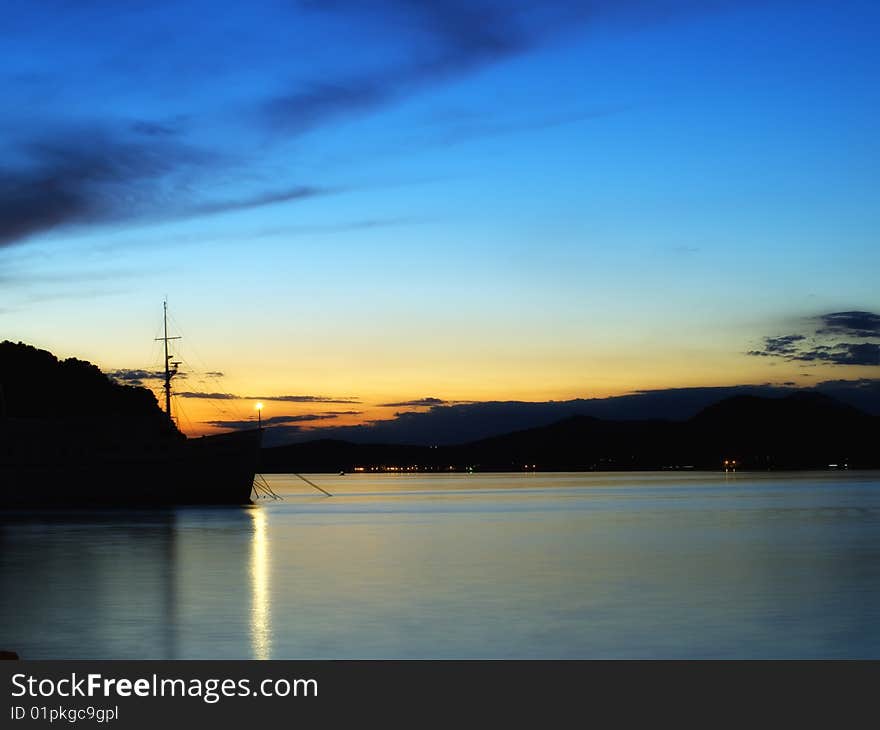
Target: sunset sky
{"x": 357, "y": 208}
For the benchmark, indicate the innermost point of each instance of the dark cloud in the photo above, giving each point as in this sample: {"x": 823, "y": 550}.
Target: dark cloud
{"x": 851, "y": 324}
{"x": 80, "y": 177}
{"x": 137, "y": 377}
{"x": 303, "y": 398}
{"x": 265, "y": 198}
{"x": 273, "y": 421}
{"x": 823, "y": 344}
{"x": 416, "y": 403}
{"x": 67, "y": 177}
{"x": 317, "y": 103}
{"x": 445, "y": 39}
{"x": 465, "y": 127}
{"x": 146, "y": 170}
{"x": 786, "y": 345}
{"x": 846, "y": 353}
{"x": 277, "y": 398}
{"x": 208, "y": 396}
{"x": 152, "y": 129}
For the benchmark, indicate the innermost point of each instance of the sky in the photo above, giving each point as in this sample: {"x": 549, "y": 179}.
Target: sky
{"x": 358, "y": 209}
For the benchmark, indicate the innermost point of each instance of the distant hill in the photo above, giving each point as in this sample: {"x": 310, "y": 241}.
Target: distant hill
{"x": 35, "y": 385}
{"x": 446, "y": 423}
{"x": 803, "y": 430}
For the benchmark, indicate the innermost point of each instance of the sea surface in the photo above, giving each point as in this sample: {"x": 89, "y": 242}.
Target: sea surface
{"x": 646, "y": 565}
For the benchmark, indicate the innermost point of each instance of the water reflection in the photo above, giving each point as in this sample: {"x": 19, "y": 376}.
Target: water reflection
{"x": 494, "y": 566}
{"x": 261, "y": 636}
{"x": 135, "y": 584}
{"x": 89, "y": 584}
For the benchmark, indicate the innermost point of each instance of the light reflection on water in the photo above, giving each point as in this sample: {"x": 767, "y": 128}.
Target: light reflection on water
{"x": 522, "y": 565}
{"x": 261, "y": 634}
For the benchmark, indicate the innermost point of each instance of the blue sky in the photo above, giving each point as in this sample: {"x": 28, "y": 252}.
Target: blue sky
{"x": 463, "y": 200}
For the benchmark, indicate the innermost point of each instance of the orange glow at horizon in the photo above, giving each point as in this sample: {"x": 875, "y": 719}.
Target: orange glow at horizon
{"x": 201, "y": 416}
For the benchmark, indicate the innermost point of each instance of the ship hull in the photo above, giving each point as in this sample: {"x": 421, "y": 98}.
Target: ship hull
{"x": 214, "y": 470}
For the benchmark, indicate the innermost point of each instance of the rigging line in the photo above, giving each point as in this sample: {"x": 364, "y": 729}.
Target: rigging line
{"x": 233, "y": 407}
{"x": 312, "y": 484}
{"x": 211, "y": 401}
{"x": 261, "y": 488}
{"x": 269, "y": 487}
{"x": 240, "y": 411}
{"x": 182, "y": 415}
{"x": 190, "y": 345}
{"x": 264, "y": 486}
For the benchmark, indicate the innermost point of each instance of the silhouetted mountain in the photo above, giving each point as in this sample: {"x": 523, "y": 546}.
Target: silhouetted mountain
{"x": 808, "y": 404}
{"x": 449, "y": 423}
{"x": 804, "y": 430}
{"x": 35, "y": 385}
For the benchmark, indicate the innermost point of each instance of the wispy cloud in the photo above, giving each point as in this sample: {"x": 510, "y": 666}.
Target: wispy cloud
{"x": 421, "y": 403}
{"x": 447, "y": 39}
{"x": 418, "y": 402}
{"x": 207, "y": 396}
{"x": 278, "y": 420}
{"x": 19, "y": 278}
{"x": 81, "y": 176}
{"x": 281, "y": 398}
{"x": 129, "y": 376}
{"x": 304, "y": 398}
{"x": 103, "y": 170}
{"x": 98, "y": 175}
{"x": 475, "y": 127}
{"x": 269, "y": 197}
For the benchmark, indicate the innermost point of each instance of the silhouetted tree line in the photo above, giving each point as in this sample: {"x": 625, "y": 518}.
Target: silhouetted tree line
{"x": 34, "y": 384}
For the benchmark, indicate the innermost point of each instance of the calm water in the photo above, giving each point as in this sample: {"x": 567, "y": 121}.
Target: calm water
{"x": 485, "y": 566}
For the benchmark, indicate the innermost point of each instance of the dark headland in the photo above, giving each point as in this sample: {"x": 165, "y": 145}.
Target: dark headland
{"x": 75, "y": 395}
{"x": 71, "y": 437}
{"x": 805, "y": 430}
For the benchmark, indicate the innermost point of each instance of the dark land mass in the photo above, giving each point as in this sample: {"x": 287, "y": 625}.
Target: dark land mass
{"x": 801, "y": 431}
{"x": 71, "y": 437}
{"x": 447, "y": 423}
{"x": 75, "y": 395}
{"x": 70, "y": 404}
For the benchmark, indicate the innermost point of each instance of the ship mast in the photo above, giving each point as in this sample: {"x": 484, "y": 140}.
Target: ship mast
{"x": 170, "y": 367}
